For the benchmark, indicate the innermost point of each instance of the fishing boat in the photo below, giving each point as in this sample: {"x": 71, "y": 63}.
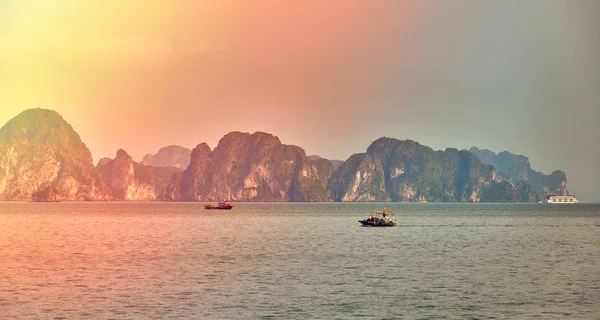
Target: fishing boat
{"x": 219, "y": 206}
{"x": 384, "y": 218}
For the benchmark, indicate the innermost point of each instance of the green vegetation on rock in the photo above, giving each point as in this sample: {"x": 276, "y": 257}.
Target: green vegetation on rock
{"x": 43, "y": 159}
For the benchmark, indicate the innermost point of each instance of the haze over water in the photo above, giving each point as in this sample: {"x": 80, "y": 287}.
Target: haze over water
{"x": 328, "y": 76}
{"x": 298, "y": 261}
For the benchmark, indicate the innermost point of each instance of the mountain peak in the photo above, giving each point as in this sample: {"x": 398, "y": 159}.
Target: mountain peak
{"x": 52, "y": 163}
{"x": 47, "y": 127}
{"x": 122, "y": 154}
{"x": 255, "y": 138}
{"x": 41, "y": 125}
{"x": 169, "y": 156}
{"x": 202, "y": 147}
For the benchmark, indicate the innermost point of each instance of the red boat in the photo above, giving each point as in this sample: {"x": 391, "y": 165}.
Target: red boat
{"x": 220, "y": 206}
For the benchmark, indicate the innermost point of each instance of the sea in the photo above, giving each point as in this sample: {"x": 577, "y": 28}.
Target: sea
{"x": 153, "y": 260}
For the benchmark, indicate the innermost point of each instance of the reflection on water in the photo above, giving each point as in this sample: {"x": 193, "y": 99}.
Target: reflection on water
{"x": 298, "y": 261}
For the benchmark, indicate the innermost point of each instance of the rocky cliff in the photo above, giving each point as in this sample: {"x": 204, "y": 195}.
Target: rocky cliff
{"x": 171, "y": 156}
{"x": 518, "y": 169}
{"x": 334, "y": 163}
{"x": 129, "y": 180}
{"x": 323, "y": 168}
{"x": 43, "y": 159}
{"x": 404, "y": 170}
{"x": 248, "y": 167}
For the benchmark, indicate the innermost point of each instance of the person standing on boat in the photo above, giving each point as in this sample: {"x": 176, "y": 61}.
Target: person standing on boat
{"x": 384, "y": 212}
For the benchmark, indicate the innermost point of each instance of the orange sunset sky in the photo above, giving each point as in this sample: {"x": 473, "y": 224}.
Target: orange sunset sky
{"x": 329, "y": 76}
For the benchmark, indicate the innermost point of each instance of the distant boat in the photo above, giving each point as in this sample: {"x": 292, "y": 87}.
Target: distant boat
{"x": 380, "y": 219}
{"x": 220, "y": 206}
{"x": 560, "y": 199}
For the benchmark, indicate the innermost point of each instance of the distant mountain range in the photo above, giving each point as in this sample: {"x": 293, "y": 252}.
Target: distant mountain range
{"x": 171, "y": 156}
{"x": 249, "y": 167}
{"x": 129, "y": 180}
{"x": 518, "y": 170}
{"x": 43, "y": 159}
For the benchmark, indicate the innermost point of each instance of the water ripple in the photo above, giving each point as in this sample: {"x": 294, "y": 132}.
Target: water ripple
{"x": 298, "y": 261}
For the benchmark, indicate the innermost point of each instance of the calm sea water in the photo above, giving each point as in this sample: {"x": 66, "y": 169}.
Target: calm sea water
{"x": 298, "y": 261}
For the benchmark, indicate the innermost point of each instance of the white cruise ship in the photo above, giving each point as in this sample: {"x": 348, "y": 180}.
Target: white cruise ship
{"x": 560, "y": 199}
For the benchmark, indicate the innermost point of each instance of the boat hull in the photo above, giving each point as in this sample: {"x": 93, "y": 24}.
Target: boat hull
{"x": 366, "y": 223}
{"x": 549, "y": 202}
{"x": 218, "y": 208}
{"x": 568, "y": 199}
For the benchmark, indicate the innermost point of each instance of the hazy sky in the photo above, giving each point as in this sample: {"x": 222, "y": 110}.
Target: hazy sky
{"x": 329, "y": 76}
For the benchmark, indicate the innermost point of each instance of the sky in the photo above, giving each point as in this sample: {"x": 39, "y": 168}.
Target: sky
{"x": 330, "y": 76}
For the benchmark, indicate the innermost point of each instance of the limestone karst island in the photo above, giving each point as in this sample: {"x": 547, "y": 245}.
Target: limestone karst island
{"x": 42, "y": 158}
